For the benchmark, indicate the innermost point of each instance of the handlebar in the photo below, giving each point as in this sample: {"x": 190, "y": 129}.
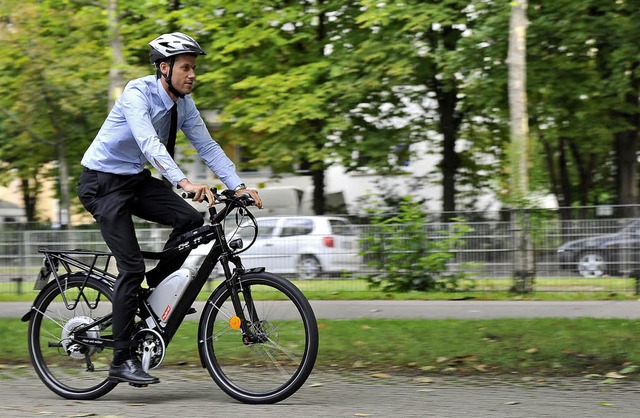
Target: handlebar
{"x": 233, "y": 204}
{"x": 227, "y": 195}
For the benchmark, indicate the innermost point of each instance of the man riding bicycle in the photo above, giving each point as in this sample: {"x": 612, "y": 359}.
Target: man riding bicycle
{"x": 115, "y": 185}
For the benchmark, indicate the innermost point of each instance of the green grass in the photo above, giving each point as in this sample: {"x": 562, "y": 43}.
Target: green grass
{"x": 498, "y": 346}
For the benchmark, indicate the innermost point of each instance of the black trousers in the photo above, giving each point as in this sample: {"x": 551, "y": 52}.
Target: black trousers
{"x": 113, "y": 199}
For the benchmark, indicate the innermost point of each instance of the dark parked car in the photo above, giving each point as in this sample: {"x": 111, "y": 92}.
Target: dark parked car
{"x": 603, "y": 254}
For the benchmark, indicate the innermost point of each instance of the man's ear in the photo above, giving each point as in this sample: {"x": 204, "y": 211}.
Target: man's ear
{"x": 164, "y": 68}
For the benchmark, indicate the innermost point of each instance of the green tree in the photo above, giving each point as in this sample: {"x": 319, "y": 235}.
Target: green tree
{"x": 51, "y": 62}
{"x": 69, "y": 60}
{"x": 302, "y": 85}
{"x": 425, "y": 39}
{"x": 270, "y": 78}
{"x": 582, "y": 93}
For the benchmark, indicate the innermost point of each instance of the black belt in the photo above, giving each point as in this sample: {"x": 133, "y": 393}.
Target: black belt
{"x": 88, "y": 170}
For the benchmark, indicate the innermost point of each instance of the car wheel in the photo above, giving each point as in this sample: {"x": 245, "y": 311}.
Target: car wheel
{"x": 309, "y": 267}
{"x": 592, "y": 264}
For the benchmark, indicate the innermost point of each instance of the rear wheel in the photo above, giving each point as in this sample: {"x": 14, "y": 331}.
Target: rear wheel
{"x": 70, "y": 368}
{"x": 274, "y": 360}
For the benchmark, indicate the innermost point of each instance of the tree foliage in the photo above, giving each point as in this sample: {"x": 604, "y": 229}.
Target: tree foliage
{"x": 289, "y": 79}
{"x": 50, "y": 81}
{"x": 582, "y": 82}
{"x": 302, "y": 85}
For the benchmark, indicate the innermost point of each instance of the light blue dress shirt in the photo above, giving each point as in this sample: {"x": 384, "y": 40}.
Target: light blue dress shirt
{"x": 136, "y": 132}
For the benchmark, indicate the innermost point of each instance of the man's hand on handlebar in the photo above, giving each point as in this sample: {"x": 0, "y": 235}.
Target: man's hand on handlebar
{"x": 200, "y": 191}
{"x": 253, "y": 194}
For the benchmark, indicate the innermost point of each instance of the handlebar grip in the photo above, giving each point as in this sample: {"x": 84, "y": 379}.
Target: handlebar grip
{"x": 229, "y": 194}
{"x": 246, "y": 197}
{"x": 189, "y": 195}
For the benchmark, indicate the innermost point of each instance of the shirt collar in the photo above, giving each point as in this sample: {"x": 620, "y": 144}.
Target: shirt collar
{"x": 164, "y": 96}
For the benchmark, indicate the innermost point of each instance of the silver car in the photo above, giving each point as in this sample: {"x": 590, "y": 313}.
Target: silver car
{"x": 305, "y": 246}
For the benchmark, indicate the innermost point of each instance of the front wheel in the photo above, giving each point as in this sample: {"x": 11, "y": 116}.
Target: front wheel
{"x": 308, "y": 267}
{"x": 274, "y": 360}
{"x": 77, "y": 307}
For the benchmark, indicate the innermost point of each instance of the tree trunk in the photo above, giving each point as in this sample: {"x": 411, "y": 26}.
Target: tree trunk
{"x": 116, "y": 78}
{"x": 446, "y": 93}
{"x": 626, "y": 149}
{"x": 449, "y": 124}
{"x": 519, "y": 126}
{"x": 29, "y": 198}
{"x": 63, "y": 173}
{"x": 519, "y": 156}
{"x": 318, "y": 191}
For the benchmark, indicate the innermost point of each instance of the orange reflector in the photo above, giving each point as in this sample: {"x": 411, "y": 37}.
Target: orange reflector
{"x": 234, "y": 322}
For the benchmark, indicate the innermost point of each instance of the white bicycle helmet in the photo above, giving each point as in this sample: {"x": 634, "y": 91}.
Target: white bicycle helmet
{"x": 168, "y": 46}
{"x": 172, "y": 44}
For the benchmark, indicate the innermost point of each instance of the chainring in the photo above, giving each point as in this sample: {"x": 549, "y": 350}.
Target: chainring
{"x": 149, "y": 348}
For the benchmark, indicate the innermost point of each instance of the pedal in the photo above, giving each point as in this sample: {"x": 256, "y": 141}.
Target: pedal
{"x": 135, "y": 385}
{"x": 191, "y": 310}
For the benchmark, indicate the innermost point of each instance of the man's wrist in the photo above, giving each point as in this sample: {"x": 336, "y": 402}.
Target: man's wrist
{"x": 182, "y": 183}
{"x": 240, "y": 186}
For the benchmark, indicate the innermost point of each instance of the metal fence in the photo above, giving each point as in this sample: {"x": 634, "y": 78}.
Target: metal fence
{"x": 585, "y": 255}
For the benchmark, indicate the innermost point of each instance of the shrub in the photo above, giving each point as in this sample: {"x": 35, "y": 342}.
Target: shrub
{"x": 407, "y": 254}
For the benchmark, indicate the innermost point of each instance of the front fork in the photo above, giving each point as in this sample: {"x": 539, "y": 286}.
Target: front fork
{"x": 244, "y": 307}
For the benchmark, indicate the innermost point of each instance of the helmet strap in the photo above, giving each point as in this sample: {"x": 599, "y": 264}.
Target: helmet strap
{"x": 167, "y": 78}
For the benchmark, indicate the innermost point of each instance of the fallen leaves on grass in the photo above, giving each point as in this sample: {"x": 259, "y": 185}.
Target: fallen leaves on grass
{"x": 482, "y": 368}
{"x": 381, "y": 375}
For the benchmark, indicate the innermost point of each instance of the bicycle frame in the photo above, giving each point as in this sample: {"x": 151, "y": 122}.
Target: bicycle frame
{"x": 220, "y": 252}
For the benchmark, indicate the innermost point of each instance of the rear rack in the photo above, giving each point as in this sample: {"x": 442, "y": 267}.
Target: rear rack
{"x": 70, "y": 261}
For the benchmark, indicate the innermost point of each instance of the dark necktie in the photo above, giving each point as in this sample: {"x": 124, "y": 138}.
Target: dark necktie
{"x": 173, "y": 127}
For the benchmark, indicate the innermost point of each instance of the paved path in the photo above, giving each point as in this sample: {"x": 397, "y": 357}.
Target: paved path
{"x": 190, "y": 393}
{"x": 186, "y": 391}
{"x": 440, "y": 309}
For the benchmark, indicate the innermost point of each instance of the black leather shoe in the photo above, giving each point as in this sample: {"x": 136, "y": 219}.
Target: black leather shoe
{"x": 131, "y": 372}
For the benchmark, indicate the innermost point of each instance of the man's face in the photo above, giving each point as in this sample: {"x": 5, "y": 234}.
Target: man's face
{"x": 183, "y": 74}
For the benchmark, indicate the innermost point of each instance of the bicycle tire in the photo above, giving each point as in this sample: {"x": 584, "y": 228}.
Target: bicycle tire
{"x": 262, "y": 372}
{"x": 63, "y": 366}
